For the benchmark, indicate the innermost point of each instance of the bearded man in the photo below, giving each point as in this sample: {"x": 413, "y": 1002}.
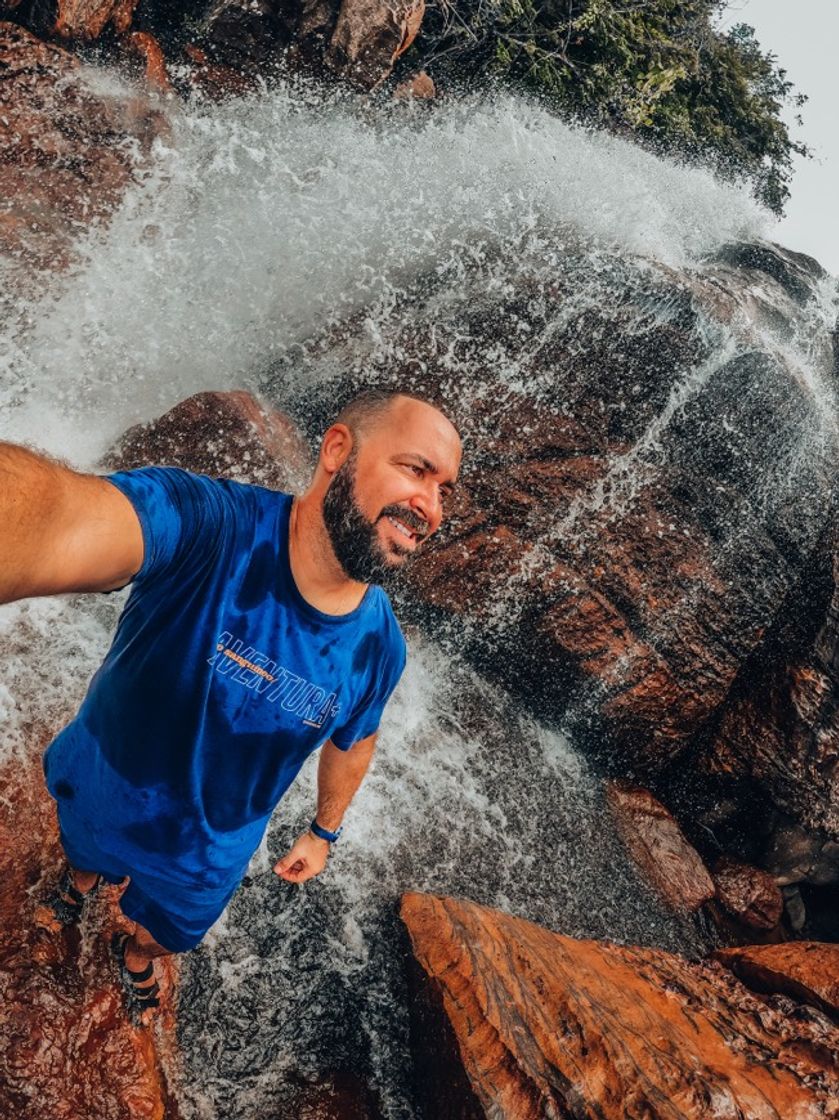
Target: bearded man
{"x": 253, "y": 635}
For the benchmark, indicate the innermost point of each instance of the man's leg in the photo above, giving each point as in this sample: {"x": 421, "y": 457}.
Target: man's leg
{"x": 136, "y": 954}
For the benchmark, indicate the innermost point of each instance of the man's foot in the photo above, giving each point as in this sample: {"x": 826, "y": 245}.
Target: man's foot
{"x": 139, "y": 985}
{"x": 66, "y": 905}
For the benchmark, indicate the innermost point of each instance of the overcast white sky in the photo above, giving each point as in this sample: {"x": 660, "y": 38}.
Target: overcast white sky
{"x": 805, "y": 38}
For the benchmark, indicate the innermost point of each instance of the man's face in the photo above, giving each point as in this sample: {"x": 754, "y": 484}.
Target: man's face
{"x": 388, "y": 497}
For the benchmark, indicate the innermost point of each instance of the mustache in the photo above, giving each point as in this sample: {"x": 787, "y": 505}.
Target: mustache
{"x": 409, "y": 519}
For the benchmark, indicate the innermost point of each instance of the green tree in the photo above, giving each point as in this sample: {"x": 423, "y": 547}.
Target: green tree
{"x": 659, "y": 69}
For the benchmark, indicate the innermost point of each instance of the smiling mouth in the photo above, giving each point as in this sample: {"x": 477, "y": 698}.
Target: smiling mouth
{"x": 401, "y": 528}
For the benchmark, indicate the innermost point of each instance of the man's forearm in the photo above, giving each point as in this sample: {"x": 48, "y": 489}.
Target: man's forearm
{"x": 339, "y": 775}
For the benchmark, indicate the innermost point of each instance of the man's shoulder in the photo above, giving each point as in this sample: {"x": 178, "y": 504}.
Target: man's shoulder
{"x": 179, "y": 481}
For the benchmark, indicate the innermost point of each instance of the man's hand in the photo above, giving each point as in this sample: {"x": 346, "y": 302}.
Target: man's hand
{"x": 305, "y": 860}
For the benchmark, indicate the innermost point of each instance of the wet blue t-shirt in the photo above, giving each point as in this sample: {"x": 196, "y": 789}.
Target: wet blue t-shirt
{"x": 221, "y": 680}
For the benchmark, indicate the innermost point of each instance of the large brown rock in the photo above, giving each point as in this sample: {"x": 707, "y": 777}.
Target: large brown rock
{"x": 359, "y": 40}
{"x": 68, "y": 153}
{"x": 246, "y": 35}
{"x": 646, "y": 480}
{"x": 69, "y": 1048}
{"x": 87, "y": 19}
{"x": 805, "y": 970}
{"x": 611, "y": 554}
{"x": 749, "y": 894}
{"x": 529, "y": 1024}
{"x": 658, "y": 847}
{"x": 221, "y": 434}
{"x": 780, "y": 725}
{"x": 370, "y": 35}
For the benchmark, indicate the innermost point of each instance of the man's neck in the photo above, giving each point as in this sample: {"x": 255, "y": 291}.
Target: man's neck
{"x": 315, "y": 569}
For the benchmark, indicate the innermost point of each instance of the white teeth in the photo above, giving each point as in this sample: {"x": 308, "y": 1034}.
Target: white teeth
{"x": 398, "y": 524}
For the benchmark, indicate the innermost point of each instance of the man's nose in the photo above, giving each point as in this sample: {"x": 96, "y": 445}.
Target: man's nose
{"x": 428, "y": 505}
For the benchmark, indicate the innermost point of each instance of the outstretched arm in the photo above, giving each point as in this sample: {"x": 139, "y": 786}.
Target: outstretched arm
{"x": 62, "y": 531}
{"x": 339, "y": 776}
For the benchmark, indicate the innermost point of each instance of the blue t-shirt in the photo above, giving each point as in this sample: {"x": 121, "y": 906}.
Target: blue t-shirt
{"x": 220, "y": 681}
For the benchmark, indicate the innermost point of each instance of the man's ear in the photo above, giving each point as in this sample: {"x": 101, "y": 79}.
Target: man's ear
{"x": 336, "y": 447}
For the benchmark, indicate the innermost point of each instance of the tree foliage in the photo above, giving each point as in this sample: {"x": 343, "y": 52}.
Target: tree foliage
{"x": 660, "y": 69}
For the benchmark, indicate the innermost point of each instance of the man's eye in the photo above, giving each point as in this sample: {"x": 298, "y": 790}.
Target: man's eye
{"x": 418, "y": 471}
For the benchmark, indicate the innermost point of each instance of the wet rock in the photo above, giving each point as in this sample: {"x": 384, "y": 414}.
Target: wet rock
{"x": 370, "y": 35}
{"x": 211, "y": 79}
{"x": 794, "y": 272}
{"x": 228, "y": 434}
{"x": 795, "y": 908}
{"x": 69, "y": 1049}
{"x": 656, "y": 844}
{"x": 780, "y": 726}
{"x": 315, "y": 24}
{"x": 748, "y": 893}
{"x": 86, "y": 19}
{"x": 541, "y": 1024}
{"x": 617, "y": 552}
{"x": 147, "y": 49}
{"x": 646, "y": 490}
{"x": 68, "y": 152}
{"x": 420, "y": 86}
{"x": 808, "y": 971}
{"x": 244, "y": 34}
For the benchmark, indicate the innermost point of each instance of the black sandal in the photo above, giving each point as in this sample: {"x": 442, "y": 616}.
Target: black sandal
{"x": 67, "y": 902}
{"x": 138, "y": 998}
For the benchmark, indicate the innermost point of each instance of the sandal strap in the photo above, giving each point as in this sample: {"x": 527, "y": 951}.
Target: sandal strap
{"x": 119, "y": 942}
{"x": 68, "y": 887}
{"x": 67, "y": 901}
{"x": 138, "y": 998}
{"x": 147, "y": 996}
{"x": 143, "y": 974}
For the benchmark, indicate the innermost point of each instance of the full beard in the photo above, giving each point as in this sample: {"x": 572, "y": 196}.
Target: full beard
{"x": 354, "y": 539}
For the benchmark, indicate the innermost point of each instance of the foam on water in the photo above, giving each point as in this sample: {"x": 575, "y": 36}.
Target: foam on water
{"x": 263, "y": 220}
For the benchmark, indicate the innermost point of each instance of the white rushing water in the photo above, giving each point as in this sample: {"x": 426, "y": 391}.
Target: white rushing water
{"x": 259, "y": 224}
{"x": 263, "y": 220}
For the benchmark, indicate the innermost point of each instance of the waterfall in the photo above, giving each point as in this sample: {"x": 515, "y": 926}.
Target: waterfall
{"x": 262, "y": 225}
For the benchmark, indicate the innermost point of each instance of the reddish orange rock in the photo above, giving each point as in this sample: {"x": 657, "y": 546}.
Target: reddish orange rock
{"x": 805, "y": 970}
{"x": 658, "y": 847}
{"x": 212, "y": 79}
{"x": 69, "y": 1050}
{"x": 527, "y": 1024}
{"x": 420, "y": 86}
{"x": 222, "y": 434}
{"x": 86, "y": 19}
{"x": 148, "y": 50}
{"x": 66, "y": 153}
{"x": 748, "y": 894}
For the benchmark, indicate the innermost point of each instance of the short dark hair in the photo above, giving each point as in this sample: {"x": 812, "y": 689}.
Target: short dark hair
{"x": 362, "y": 412}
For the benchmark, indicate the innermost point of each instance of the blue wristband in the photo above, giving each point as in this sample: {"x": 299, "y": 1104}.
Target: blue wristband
{"x": 323, "y": 833}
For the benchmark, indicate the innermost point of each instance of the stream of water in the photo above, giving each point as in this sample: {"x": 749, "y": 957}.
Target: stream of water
{"x": 260, "y": 225}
